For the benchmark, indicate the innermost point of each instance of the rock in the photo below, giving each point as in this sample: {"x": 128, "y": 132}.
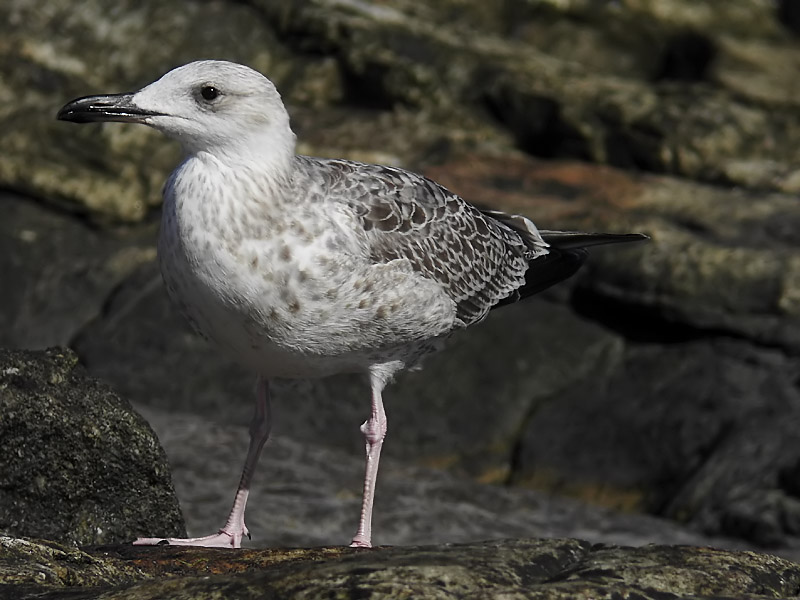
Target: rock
{"x": 521, "y": 568}
{"x": 78, "y": 466}
{"x": 747, "y": 488}
{"x": 563, "y": 82}
{"x": 702, "y": 431}
{"x": 57, "y": 271}
{"x": 676, "y": 90}
{"x": 31, "y": 564}
{"x": 111, "y": 173}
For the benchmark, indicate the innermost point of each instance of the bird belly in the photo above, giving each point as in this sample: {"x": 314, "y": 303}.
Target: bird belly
{"x": 290, "y": 291}
{"x": 294, "y": 336}
{"x": 302, "y": 313}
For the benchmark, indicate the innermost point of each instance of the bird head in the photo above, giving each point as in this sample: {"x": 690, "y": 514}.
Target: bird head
{"x": 208, "y": 106}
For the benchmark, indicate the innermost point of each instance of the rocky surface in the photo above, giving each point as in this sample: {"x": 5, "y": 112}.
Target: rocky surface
{"x": 58, "y": 271}
{"x": 546, "y": 569}
{"x": 662, "y": 379}
{"x": 78, "y": 465}
{"x": 666, "y": 87}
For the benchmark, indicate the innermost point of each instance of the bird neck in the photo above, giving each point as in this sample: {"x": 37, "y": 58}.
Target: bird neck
{"x": 229, "y": 183}
{"x": 270, "y": 154}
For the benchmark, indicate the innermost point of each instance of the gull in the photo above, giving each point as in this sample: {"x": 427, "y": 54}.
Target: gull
{"x": 303, "y": 267}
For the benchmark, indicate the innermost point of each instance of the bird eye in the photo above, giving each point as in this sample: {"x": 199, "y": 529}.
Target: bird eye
{"x": 209, "y": 92}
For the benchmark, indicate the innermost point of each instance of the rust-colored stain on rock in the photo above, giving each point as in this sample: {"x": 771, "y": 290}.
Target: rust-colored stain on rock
{"x": 555, "y": 194}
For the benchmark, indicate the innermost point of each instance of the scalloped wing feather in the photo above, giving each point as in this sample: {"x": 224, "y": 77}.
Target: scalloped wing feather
{"x": 478, "y": 258}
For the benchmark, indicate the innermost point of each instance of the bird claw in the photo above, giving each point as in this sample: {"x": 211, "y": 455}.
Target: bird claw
{"x": 360, "y": 542}
{"x": 221, "y": 539}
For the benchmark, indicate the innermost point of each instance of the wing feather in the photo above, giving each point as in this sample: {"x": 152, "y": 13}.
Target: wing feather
{"x": 477, "y": 258}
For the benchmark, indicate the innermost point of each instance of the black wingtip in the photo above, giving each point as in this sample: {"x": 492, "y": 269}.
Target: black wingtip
{"x": 566, "y": 240}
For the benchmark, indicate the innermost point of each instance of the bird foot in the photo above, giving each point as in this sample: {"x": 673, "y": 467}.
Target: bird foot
{"x": 360, "y": 542}
{"x": 223, "y": 539}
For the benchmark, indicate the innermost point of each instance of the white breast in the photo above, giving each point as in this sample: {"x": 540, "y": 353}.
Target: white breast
{"x": 288, "y": 290}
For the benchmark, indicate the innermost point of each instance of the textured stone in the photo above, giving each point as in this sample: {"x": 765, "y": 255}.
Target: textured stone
{"x": 30, "y": 564}
{"x": 748, "y": 486}
{"x": 702, "y": 431}
{"x": 57, "y": 271}
{"x": 670, "y": 111}
{"x": 674, "y": 88}
{"x": 546, "y": 569}
{"x": 78, "y": 465}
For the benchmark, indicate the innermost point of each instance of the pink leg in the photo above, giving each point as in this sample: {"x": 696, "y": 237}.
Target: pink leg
{"x": 374, "y": 430}
{"x": 231, "y": 535}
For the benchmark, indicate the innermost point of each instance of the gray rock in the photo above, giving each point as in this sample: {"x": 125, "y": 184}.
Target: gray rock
{"x": 78, "y": 465}
{"x": 748, "y": 486}
{"x": 521, "y": 568}
{"x": 701, "y": 117}
{"x": 675, "y": 90}
{"x": 57, "y": 271}
{"x": 720, "y": 455}
{"x": 34, "y": 566}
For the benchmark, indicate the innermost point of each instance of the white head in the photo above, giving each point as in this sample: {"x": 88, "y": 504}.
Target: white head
{"x": 208, "y": 106}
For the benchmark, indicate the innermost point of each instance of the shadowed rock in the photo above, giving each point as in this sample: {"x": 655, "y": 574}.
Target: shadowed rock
{"x": 526, "y": 568}
{"x": 78, "y": 465}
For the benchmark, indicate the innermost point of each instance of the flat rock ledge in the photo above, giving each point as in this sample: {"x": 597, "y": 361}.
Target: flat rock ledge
{"x": 523, "y": 568}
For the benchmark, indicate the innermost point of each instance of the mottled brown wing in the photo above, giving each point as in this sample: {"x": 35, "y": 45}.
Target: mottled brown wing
{"x": 477, "y": 259}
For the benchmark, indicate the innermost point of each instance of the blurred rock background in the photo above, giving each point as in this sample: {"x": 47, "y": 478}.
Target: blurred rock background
{"x": 660, "y": 381}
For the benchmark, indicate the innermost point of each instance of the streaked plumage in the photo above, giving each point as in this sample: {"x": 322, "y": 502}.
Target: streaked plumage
{"x": 306, "y": 267}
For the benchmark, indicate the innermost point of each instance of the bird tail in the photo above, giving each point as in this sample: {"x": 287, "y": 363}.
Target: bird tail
{"x": 569, "y": 240}
{"x": 566, "y": 254}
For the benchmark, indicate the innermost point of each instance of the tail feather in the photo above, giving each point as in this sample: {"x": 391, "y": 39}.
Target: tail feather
{"x": 569, "y": 240}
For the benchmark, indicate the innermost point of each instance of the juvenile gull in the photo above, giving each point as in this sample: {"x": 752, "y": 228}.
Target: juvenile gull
{"x": 306, "y": 267}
